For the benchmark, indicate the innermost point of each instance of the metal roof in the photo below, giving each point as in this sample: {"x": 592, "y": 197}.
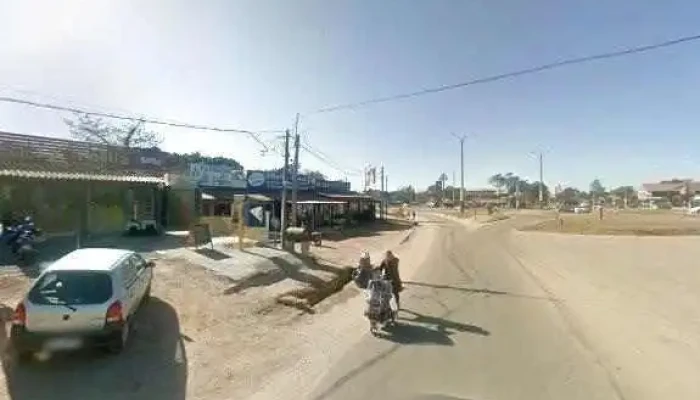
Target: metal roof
{"x": 16, "y": 173}
{"x": 320, "y": 202}
{"x": 347, "y": 196}
{"x": 235, "y": 196}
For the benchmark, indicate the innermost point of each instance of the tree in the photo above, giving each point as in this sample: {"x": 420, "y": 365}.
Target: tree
{"x": 317, "y": 175}
{"x": 130, "y": 134}
{"x": 625, "y": 195}
{"x": 569, "y": 195}
{"x": 597, "y": 189}
{"x": 196, "y": 157}
{"x": 404, "y": 194}
{"x": 529, "y": 191}
{"x": 498, "y": 181}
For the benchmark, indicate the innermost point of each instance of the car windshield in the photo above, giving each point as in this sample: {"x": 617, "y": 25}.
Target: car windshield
{"x": 72, "y": 288}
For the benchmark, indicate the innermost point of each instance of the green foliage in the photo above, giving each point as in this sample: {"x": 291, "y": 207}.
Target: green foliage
{"x": 512, "y": 184}
{"x": 597, "y": 188}
{"x": 317, "y": 175}
{"x": 197, "y": 157}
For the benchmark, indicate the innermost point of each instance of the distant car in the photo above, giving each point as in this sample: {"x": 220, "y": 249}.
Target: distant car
{"x": 85, "y": 299}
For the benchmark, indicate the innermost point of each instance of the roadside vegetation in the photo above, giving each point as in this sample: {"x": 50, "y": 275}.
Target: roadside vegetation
{"x": 625, "y": 222}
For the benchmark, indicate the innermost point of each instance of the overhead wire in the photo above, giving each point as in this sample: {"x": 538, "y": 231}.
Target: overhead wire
{"x": 512, "y": 74}
{"x": 155, "y": 121}
{"x": 353, "y": 171}
{"x": 327, "y": 161}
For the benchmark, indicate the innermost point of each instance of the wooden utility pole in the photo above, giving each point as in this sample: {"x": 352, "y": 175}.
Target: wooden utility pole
{"x": 295, "y": 172}
{"x": 283, "y": 208}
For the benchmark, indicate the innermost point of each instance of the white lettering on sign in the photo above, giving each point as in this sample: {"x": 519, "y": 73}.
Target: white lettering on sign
{"x": 216, "y": 175}
{"x": 151, "y": 161}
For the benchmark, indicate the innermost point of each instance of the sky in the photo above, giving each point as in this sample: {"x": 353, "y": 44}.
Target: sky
{"x": 255, "y": 64}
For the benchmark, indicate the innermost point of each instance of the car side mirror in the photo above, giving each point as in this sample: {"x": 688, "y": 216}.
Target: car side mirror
{"x": 150, "y": 264}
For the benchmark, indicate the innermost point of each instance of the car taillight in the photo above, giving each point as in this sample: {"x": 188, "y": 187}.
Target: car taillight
{"x": 20, "y": 315}
{"x": 114, "y": 313}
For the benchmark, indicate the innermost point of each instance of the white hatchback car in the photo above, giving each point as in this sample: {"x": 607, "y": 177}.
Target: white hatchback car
{"x": 86, "y": 298}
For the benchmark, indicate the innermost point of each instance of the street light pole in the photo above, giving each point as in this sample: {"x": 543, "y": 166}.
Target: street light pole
{"x": 461, "y": 162}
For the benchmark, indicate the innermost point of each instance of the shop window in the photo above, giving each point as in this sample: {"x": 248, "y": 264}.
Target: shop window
{"x": 222, "y": 209}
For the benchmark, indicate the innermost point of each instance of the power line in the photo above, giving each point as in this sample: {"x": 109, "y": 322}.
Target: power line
{"x": 326, "y": 161}
{"x": 77, "y": 110}
{"x": 513, "y": 74}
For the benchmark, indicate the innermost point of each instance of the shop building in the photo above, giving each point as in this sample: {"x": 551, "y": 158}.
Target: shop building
{"x": 73, "y": 187}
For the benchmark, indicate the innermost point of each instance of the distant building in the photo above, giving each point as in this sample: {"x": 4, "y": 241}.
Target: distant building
{"x": 675, "y": 191}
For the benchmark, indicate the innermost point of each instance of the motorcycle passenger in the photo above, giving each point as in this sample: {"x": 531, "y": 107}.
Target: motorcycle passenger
{"x": 363, "y": 273}
{"x": 390, "y": 268}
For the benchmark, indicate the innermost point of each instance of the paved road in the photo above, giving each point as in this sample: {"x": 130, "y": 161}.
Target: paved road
{"x": 475, "y": 325}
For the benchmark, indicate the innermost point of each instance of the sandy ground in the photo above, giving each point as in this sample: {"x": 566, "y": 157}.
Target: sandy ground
{"x": 339, "y": 325}
{"x": 623, "y": 222}
{"x": 196, "y": 339}
{"x": 502, "y": 314}
{"x": 474, "y": 326}
{"x": 633, "y": 299}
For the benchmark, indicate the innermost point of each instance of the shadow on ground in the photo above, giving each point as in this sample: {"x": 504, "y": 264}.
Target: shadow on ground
{"x": 479, "y": 291}
{"x": 287, "y": 270}
{"x": 425, "y": 329}
{"x": 154, "y": 366}
{"x": 367, "y": 230}
{"x": 212, "y": 254}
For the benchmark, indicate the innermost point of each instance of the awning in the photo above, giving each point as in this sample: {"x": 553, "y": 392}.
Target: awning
{"x": 15, "y": 173}
{"x": 320, "y": 202}
{"x": 255, "y": 197}
{"x": 231, "y": 197}
{"x": 347, "y": 196}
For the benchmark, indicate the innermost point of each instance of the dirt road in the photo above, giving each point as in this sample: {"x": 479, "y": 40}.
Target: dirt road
{"x": 196, "y": 339}
{"x": 494, "y": 314}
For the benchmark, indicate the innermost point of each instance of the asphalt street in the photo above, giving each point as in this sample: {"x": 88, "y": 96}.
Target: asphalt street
{"x": 475, "y": 325}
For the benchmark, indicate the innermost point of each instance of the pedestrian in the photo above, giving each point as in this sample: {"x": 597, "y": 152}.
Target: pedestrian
{"x": 414, "y": 214}
{"x": 390, "y": 268}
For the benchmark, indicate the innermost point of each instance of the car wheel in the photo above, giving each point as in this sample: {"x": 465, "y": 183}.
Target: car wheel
{"x": 121, "y": 339}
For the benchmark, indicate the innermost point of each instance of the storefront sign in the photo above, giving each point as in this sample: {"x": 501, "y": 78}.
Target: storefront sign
{"x": 273, "y": 180}
{"x": 216, "y": 175}
{"x": 256, "y": 179}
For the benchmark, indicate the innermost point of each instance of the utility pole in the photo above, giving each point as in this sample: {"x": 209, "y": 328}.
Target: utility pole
{"x": 295, "y": 172}
{"x": 283, "y": 208}
{"x": 461, "y": 162}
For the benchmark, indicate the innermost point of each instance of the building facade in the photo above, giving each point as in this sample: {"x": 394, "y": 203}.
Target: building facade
{"x": 70, "y": 186}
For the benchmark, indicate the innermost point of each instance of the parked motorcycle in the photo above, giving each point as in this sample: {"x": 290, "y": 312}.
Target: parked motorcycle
{"x": 21, "y": 239}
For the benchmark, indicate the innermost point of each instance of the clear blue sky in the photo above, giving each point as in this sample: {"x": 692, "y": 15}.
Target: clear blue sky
{"x": 254, "y": 64}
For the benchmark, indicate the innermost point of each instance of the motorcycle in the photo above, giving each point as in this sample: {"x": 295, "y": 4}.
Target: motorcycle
{"x": 21, "y": 239}
{"x": 379, "y": 311}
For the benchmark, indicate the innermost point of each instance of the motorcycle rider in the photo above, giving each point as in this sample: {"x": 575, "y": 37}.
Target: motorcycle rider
{"x": 390, "y": 268}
